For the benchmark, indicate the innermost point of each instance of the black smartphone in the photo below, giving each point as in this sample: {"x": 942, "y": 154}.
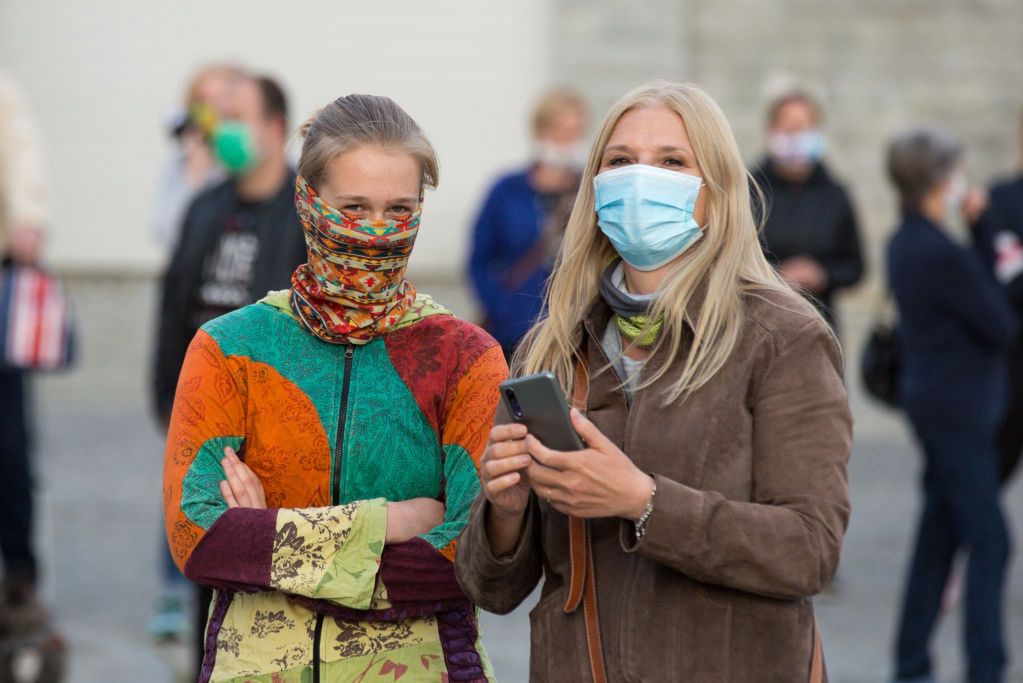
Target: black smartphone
{"x": 538, "y": 402}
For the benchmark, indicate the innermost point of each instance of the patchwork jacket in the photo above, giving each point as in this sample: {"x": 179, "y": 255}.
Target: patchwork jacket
{"x": 307, "y": 590}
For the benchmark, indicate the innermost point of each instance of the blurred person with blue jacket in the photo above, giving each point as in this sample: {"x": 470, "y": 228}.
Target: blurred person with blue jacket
{"x": 810, "y": 229}
{"x": 955, "y": 328}
{"x": 998, "y": 236}
{"x": 519, "y": 227}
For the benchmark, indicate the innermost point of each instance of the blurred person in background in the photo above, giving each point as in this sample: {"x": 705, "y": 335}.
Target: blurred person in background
{"x": 712, "y": 499}
{"x": 810, "y": 231}
{"x": 323, "y": 449}
{"x": 193, "y": 167}
{"x": 24, "y": 217}
{"x": 239, "y": 240}
{"x": 519, "y": 228}
{"x": 998, "y": 235}
{"x": 955, "y": 328}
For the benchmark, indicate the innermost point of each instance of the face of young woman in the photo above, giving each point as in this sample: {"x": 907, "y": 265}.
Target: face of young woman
{"x": 373, "y": 183}
{"x": 654, "y": 136}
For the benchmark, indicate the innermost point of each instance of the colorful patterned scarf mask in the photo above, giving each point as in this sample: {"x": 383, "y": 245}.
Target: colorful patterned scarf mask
{"x": 353, "y": 289}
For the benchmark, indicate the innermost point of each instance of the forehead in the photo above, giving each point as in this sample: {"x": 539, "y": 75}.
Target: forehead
{"x": 795, "y": 112}
{"x": 242, "y": 96}
{"x": 651, "y": 126}
{"x": 370, "y": 171}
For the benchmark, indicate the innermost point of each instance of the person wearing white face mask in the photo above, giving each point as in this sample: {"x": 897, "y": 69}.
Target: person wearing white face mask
{"x": 810, "y": 229}
{"x": 711, "y": 498}
{"x": 954, "y": 330}
{"x": 519, "y": 227}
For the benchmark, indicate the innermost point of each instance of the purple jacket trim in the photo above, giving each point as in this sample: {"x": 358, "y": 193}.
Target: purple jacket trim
{"x": 415, "y": 572}
{"x": 392, "y": 614}
{"x": 236, "y": 552}
{"x": 458, "y": 635}
{"x": 209, "y": 659}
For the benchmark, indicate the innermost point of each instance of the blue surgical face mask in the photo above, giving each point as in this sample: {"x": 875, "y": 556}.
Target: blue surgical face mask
{"x": 804, "y": 147}
{"x": 647, "y": 213}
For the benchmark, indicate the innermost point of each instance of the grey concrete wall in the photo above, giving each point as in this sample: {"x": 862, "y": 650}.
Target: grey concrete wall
{"x": 879, "y": 65}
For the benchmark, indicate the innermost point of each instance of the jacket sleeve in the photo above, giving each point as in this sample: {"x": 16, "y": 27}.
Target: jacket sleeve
{"x": 327, "y": 553}
{"x": 499, "y": 584}
{"x": 973, "y": 297}
{"x": 844, "y": 265}
{"x": 486, "y": 251}
{"x": 785, "y": 542}
{"x": 24, "y": 193}
{"x": 172, "y": 327}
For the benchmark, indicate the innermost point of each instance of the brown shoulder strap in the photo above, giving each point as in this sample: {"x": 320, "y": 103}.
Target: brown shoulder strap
{"x": 817, "y": 662}
{"x": 582, "y": 585}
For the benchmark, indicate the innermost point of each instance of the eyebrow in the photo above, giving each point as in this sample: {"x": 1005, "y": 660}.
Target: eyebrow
{"x": 341, "y": 198}
{"x": 663, "y": 148}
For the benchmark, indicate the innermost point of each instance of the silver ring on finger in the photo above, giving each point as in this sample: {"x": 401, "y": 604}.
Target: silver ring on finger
{"x": 549, "y": 491}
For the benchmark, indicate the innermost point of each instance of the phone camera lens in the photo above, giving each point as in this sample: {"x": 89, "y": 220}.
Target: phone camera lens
{"x": 513, "y": 404}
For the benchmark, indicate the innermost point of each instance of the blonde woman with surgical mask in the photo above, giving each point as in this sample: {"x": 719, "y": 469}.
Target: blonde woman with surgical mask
{"x": 709, "y": 505}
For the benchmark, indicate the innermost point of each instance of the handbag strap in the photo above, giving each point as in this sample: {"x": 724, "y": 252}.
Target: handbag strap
{"x": 817, "y": 661}
{"x": 582, "y": 584}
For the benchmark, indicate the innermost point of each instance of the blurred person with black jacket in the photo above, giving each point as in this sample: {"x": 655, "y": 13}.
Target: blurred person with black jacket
{"x": 998, "y": 237}
{"x": 239, "y": 240}
{"x": 810, "y": 231}
{"x": 955, "y": 328}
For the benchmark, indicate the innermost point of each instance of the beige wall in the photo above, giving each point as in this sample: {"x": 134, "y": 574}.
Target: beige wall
{"x": 880, "y": 65}
{"x": 102, "y": 75}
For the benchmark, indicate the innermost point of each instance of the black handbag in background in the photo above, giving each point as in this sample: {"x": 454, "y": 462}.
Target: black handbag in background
{"x": 880, "y": 362}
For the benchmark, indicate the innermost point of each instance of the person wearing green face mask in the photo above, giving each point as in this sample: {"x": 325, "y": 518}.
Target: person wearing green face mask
{"x": 240, "y": 238}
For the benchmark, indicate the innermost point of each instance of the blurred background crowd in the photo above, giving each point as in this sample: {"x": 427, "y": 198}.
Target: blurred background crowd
{"x": 146, "y": 160}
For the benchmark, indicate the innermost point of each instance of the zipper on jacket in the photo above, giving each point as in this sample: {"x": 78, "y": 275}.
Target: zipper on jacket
{"x": 335, "y": 484}
{"x": 335, "y": 487}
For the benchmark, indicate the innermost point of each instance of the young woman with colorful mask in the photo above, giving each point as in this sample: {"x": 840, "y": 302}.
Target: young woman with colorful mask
{"x": 711, "y": 499}
{"x": 322, "y": 452}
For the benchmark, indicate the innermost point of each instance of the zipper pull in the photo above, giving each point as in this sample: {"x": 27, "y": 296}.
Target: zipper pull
{"x": 349, "y": 352}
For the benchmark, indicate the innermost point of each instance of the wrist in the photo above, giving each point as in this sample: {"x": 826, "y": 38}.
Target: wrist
{"x": 503, "y": 529}
{"x": 395, "y": 521}
{"x": 503, "y": 516}
{"x": 644, "y": 491}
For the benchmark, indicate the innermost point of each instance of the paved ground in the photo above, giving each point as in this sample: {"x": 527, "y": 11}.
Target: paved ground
{"x": 99, "y": 462}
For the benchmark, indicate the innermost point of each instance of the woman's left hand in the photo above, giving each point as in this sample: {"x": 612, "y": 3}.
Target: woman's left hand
{"x": 599, "y": 481}
{"x": 242, "y": 488}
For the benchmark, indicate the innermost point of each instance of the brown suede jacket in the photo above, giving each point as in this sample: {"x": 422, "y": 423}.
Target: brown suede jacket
{"x": 752, "y": 504}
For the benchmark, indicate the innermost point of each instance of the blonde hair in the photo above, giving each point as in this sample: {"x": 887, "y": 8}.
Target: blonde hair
{"x": 728, "y": 260}
{"x": 553, "y": 103}
{"x": 356, "y": 120}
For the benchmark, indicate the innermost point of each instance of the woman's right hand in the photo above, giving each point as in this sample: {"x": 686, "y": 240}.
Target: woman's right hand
{"x": 410, "y": 518}
{"x": 506, "y": 485}
{"x": 503, "y": 470}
